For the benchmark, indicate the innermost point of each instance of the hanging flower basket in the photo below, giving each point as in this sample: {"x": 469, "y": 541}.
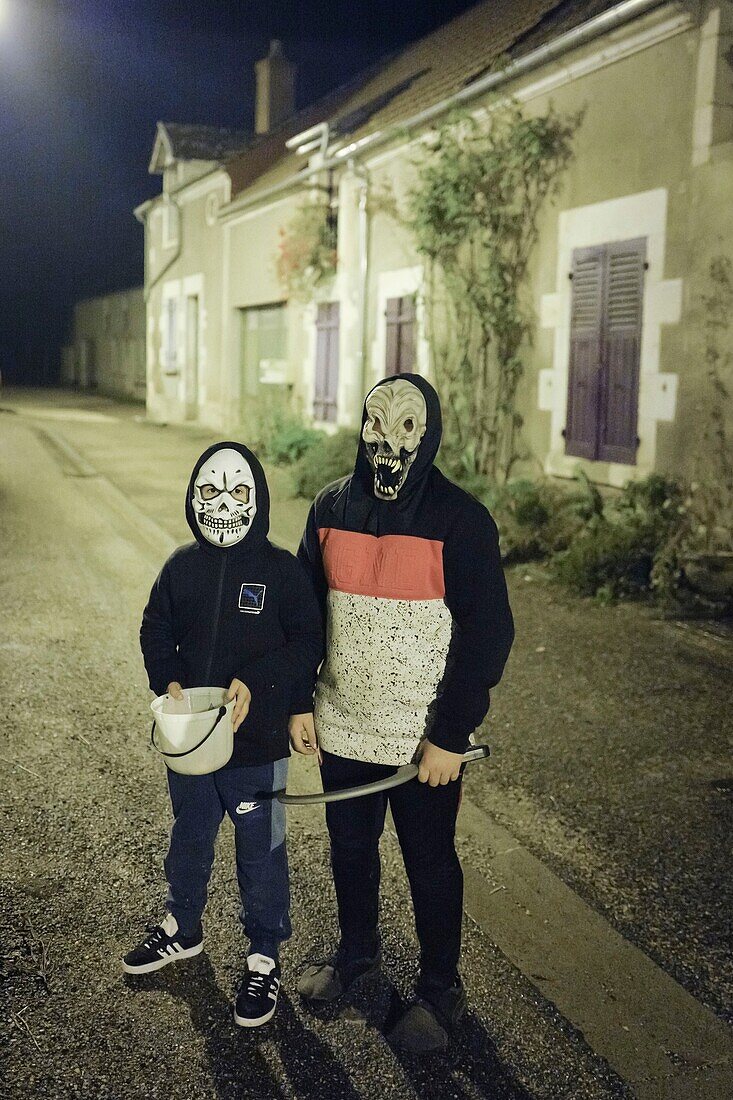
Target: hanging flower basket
{"x": 306, "y": 255}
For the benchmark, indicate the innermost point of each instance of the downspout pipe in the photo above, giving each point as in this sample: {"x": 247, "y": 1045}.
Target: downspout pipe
{"x": 362, "y": 173}
{"x": 578, "y": 36}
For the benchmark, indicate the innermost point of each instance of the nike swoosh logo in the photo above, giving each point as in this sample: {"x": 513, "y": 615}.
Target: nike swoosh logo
{"x": 246, "y": 807}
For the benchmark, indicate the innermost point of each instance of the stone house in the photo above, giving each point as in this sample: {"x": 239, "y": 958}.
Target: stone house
{"x": 614, "y": 377}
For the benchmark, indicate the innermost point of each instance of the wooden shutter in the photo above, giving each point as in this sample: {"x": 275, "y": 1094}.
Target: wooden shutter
{"x": 624, "y": 289}
{"x": 586, "y": 316}
{"x": 327, "y": 359}
{"x": 400, "y": 333}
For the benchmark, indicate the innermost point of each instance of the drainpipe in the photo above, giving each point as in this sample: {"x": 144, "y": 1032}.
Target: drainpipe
{"x": 578, "y": 36}
{"x": 363, "y": 174}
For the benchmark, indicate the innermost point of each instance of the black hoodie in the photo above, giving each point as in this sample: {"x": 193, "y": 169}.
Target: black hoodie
{"x": 246, "y": 611}
{"x": 415, "y": 601}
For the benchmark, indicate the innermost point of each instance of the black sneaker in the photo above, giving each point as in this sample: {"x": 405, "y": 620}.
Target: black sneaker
{"x": 328, "y": 979}
{"x": 257, "y": 998}
{"x": 431, "y": 1022}
{"x": 164, "y": 944}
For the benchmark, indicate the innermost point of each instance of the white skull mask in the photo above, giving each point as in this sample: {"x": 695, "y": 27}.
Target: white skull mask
{"x": 397, "y": 417}
{"x": 224, "y": 497}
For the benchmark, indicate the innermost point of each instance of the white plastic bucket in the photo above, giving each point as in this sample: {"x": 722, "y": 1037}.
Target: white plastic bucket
{"x": 194, "y": 734}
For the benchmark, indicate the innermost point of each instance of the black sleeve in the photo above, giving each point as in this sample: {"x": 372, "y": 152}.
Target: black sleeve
{"x": 309, "y": 553}
{"x": 297, "y": 661}
{"x": 483, "y": 629}
{"x": 157, "y": 638}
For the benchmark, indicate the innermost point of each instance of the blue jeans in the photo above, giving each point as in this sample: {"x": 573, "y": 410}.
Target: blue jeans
{"x": 199, "y": 804}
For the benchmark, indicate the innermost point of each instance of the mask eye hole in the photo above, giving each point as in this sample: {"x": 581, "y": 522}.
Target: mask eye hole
{"x": 208, "y": 492}
{"x": 409, "y": 424}
{"x": 241, "y": 493}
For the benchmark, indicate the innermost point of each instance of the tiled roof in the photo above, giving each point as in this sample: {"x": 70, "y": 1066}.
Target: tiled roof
{"x": 424, "y": 73}
{"x": 192, "y": 142}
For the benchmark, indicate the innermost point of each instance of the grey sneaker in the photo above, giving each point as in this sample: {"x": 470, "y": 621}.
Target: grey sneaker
{"x": 428, "y": 1025}
{"x": 330, "y": 978}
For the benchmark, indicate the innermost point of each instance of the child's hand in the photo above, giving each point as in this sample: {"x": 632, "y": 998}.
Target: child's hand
{"x": 240, "y": 692}
{"x": 438, "y": 766}
{"x": 175, "y": 690}
{"x": 303, "y": 735}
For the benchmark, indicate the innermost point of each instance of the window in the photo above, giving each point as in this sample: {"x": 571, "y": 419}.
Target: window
{"x": 171, "y": 217}
{"x": 400, "y": 342}
{"x": 327, "y": 362}
{"x": 605, "y": 336}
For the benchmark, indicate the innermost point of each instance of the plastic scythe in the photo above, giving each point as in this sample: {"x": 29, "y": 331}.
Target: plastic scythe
{"x": 402, "y": 775}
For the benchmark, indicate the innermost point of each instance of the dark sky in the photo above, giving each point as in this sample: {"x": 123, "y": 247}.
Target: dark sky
{"x": 82, "y": 84}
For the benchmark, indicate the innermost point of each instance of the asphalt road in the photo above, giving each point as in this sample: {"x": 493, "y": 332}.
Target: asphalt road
{"x": 610, "y": 779}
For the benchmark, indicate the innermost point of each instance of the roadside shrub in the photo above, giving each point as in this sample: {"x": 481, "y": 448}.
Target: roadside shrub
{"x": 608, "y": 560}
{"x": 614, "y": 555}
{"x": 539, "y": 518}
{"x": 290, "y": 441}
{"x": 330, "y": 458}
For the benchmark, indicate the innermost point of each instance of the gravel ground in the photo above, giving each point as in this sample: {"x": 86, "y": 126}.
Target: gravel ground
{"x": 85, "y": 818}
{"x": 611, "y": 731}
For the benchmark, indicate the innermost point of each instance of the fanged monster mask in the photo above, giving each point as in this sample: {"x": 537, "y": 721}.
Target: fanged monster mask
{"x": 396, "y": 422}
{"x": 224, "y": 497}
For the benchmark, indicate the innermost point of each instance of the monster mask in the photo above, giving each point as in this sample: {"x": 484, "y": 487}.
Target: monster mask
{"x": 223, "y": 498}
{"x": 395, "y": 424}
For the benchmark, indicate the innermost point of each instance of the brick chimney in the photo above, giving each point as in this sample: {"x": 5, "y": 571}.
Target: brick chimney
{"x": 275, "y": 100}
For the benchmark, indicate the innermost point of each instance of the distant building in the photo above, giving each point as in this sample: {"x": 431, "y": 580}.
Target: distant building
{"x": 615, "y": 371}
{"x": 106, "y": 351}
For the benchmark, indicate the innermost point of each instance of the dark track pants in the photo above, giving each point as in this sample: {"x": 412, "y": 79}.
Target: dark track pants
{"x": 425, "y": 820}
{"x": 199, "y": 804}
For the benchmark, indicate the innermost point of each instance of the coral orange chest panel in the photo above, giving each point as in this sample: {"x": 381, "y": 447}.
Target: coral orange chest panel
{"x": 394, "y": 567}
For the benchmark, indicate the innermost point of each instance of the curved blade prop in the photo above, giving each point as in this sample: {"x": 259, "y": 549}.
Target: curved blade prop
{"x": 402, "y": 775}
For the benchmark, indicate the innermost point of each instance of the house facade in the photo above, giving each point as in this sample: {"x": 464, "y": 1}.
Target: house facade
{"x": 615, "y": 375}
{"x": 106, "y": 350}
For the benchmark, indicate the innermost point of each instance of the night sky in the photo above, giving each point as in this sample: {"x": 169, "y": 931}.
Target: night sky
{"x": 82, "y": 85}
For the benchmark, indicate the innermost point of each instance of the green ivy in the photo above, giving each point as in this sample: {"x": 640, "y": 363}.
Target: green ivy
{"x": 474, "y": 218}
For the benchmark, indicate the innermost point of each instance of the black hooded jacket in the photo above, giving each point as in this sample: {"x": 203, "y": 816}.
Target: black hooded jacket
{"x": 433, "y": 547}
{"x": 246, "y": 611}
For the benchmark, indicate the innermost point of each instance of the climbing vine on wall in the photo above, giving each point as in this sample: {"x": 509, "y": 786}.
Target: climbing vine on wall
{"x": 474, "y": 216}
{"x": 306, "y": 255}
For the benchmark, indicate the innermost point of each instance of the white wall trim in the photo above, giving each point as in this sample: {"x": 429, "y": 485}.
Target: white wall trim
{"x": 193, "y": 286}
{"x": 639, "y": 215}
{"x": 398, "y": 284}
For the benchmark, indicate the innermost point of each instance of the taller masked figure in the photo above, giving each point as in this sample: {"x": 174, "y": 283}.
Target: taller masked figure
{"x": 407, "y": 569}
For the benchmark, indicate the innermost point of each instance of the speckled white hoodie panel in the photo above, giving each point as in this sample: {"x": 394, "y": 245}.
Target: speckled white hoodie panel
{"x": 385, "y": 660}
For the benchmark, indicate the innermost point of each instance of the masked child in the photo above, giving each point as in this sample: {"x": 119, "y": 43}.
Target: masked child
{"x": 232, "y": 610}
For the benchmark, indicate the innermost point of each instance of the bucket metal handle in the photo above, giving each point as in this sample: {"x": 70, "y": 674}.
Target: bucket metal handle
{"x": 222, "y": 712}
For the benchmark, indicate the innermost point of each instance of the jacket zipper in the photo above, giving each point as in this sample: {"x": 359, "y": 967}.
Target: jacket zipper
{"x": 217, "y": 613}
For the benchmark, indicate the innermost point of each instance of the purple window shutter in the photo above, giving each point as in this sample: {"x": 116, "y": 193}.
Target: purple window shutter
{"x": 586, "y": 316}
{"x": 624, "y": 291}
{"x": 327, "y": 359}
{"x": 392, "y": 315}
{"x": 407, "y": 334}
{"x": 400, "y": 343}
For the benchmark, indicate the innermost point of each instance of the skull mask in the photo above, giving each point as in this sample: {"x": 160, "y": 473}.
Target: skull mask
{"x": 396, "y": 422}
{"x": 224, "y": 497}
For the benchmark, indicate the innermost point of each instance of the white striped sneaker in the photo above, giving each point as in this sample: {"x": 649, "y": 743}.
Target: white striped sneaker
{"x": 163, "y": 944}
{"x": 257, "y": 998}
